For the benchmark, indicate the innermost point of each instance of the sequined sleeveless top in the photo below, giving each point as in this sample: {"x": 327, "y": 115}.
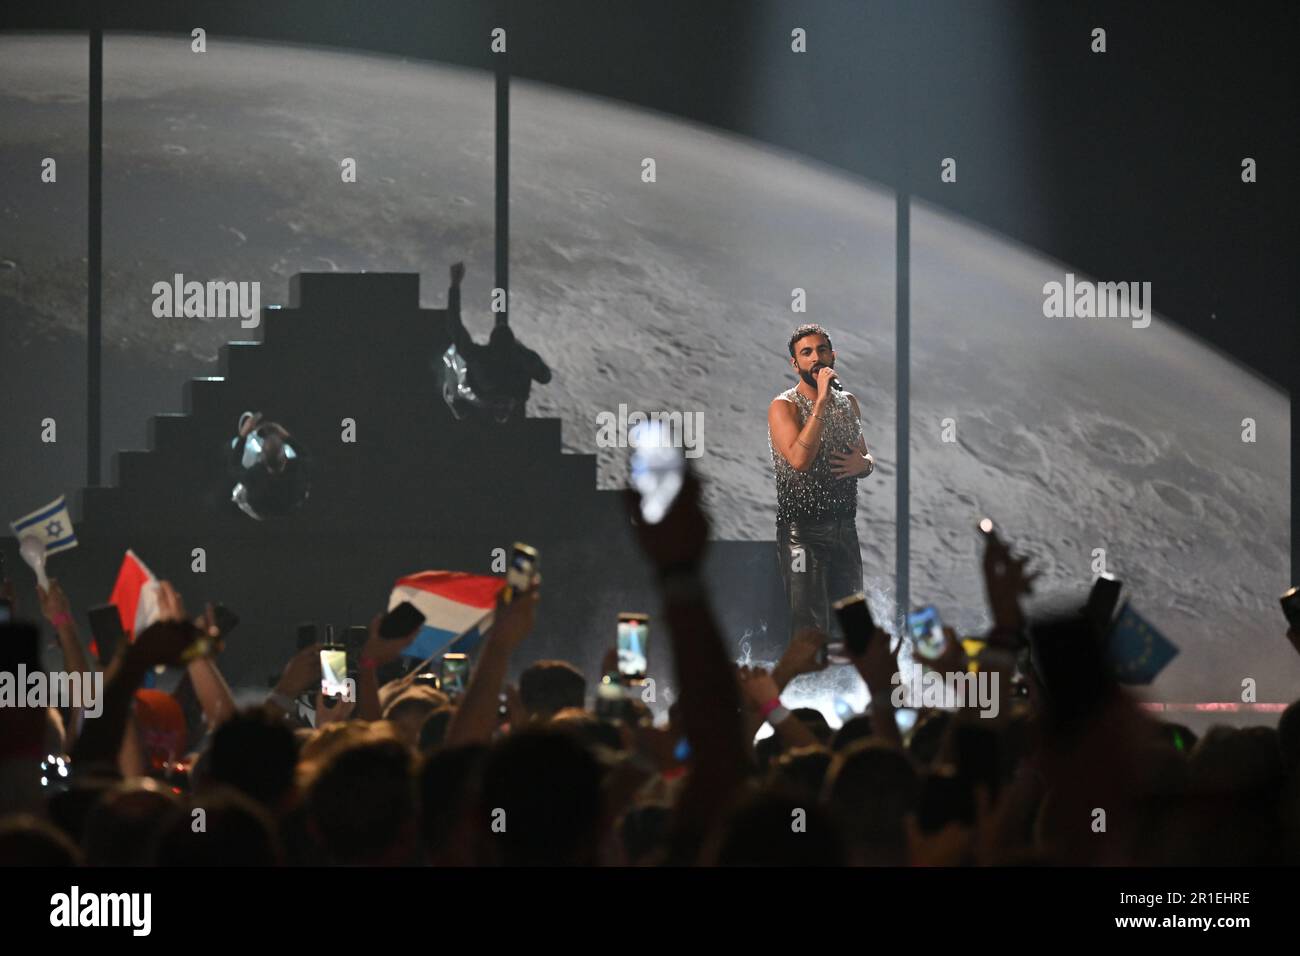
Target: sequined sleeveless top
{"x": 816, "y": 494}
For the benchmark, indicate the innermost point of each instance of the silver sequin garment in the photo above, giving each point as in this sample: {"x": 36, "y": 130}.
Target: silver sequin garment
{"x": 816, "y": 494}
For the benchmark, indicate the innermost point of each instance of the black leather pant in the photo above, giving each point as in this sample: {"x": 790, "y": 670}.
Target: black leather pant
{"x": 828, "y": 553}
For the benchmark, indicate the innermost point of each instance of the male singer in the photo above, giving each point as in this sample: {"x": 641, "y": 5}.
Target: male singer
{"x": 814, "y": 431}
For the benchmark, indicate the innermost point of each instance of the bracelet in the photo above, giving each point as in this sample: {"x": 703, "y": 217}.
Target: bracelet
{"x": 770, "y": 706}
{"x": 60, "y": 619}
{"x": 779, "y": 715}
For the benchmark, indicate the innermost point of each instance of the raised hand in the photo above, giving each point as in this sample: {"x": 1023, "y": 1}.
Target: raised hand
{"x": 757, "y": 686}
{"x": 681, "y": 537}
{"x": 1005, "y": 581}
{"x": 54, "y": 602}
{"x": 384, "y": 650}
{"x": 301, "y": 672}
{"x": 803, "y": 655}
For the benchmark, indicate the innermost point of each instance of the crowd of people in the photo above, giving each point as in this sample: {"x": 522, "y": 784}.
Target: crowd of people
{"x": 406, "y": 773}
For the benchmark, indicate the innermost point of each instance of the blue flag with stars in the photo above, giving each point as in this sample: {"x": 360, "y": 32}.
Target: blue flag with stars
{"x": 1137, "y": 651}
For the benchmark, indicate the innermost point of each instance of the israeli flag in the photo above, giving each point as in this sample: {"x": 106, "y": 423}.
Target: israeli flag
{"x": 51, "y": 525}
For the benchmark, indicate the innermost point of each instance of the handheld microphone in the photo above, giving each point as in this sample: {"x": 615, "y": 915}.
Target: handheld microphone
{"x": 835, "y": 382}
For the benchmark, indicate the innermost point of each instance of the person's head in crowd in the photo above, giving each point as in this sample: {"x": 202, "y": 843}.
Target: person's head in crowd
{"x": 547, "y": 687}
{"x": 162, "y": 728}
{"x": 433, "y": 732}
{"x": 870, "y": 788}
{"x": 1068, "y": 666}
{"x": 273, "y": 454}
{"x": 408, "y": 713}
{"x": 400, "y": 689}
{"x": 857, "y": 727}
{"x": 588, "y": 728}
{"x": 236, "y": 831}
{"x": 542, "y": 786}
{"x": 815, "y": 721}
{"x": 448, "y": 795}
{"x": 361, "y": 804}
{"x": 331, "y": 739}
{"x": 69, "y": 809}
{"x": 27, "y": 840}
{"x": 926, "y": 739}
{"x": 121, "y": 826}
{"x": 770, "y": 827}
{"x": 254, "y": 751}
{"x": 800, "y": 770}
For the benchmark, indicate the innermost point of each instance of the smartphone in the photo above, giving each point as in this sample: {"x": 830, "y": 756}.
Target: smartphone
{"x": 657, "y": 470}
{"x": 1102, "y": 601}
{"x": 307, "y": 632}
{"x": 522, "y": 569}
{"x": 633, "y": 644}
{"x": 333, "y": 670}
{"x": 927, "y": 632}
{"x": 1291, "y": 607}
{"x": 402, "y": 621}
{"x": 855, "y": 622}
{"x": 106, "y": 628}
{"x": 226, "y": 619}
{"x": 455, "y": 673}
{"x": 611, "y": 699}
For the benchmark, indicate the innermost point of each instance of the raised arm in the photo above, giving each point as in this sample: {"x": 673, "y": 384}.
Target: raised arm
{"x": 464, "y": 344}
{"x": 710, "y": 698}
{"x": 476, "y": 716}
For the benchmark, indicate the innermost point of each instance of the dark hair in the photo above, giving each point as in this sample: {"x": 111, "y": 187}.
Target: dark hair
{"x": 810, "y": 328}
{"x": 363, "y": 800}
{"x": 546, "y": 687}
{"x": 254, "y": 752}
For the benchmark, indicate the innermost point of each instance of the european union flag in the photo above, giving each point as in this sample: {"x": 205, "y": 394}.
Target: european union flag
{"x": 1137, "y": 652}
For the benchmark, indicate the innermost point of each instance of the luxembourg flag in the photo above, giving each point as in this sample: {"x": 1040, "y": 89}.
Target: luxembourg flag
{"x": 457, "y": 609}
{"x": 136, "y": 595}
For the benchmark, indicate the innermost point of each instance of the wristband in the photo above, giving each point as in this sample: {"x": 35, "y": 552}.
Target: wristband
{"x": 770, "y": 706}
{"x": 779, "y": 715}
{"x": 60, "y": 619}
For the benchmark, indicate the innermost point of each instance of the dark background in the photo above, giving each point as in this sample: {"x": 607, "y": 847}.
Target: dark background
{"x": 1125, "y": 164}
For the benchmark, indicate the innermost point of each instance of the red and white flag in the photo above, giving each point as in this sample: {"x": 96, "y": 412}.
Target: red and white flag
{"x": 136, "y": 595}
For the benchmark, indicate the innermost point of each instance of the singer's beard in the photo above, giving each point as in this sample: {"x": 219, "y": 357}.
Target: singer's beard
{"x": 810, "y": 376}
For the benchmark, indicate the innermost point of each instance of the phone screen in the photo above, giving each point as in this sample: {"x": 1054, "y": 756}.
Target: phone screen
{"x": 927, "y": 631}
{"x": 658, "y": 468}
{"x": 633, "y": 644}
{"x": 455, "y": 673}
{"x": 333, "y": 671}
